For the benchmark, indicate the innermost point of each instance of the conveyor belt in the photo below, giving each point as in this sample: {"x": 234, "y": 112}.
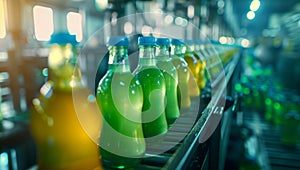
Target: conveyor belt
{"x": 279, "y": 156}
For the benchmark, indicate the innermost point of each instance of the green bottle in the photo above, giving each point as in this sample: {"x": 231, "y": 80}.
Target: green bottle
{"x": 163, "y": 62}
{"x": 289, "y": 128}
{"x": 120, "y": 98}
{"x": 182, "y": 71}
{"x": 154, "y": 89}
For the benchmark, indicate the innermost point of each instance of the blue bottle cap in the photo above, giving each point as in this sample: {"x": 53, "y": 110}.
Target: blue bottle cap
{"x": 214, "y": 42}
{"x": 162, "y": 41}
{"x": 118, "y": 41}
{"x": 176, "y": 42}
{"x": 149, "y": 40}
{"x": 200, "y": 41}
{"x": 63, "y": 38}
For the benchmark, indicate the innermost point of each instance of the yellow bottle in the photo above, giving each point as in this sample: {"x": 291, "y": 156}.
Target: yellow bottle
{"x": 200, "y": 56}
{"x": 65, "y": 121}
{"x": 194, "y": 66}
{"x": 182, "y": 72}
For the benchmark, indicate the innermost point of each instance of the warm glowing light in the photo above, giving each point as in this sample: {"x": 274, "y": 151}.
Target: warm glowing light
{"x": 250, "y": 15}
{"x": 43, "y": 22}
{"x": 74, "y": 24}
{"x": 101, "y": 4}
{"x": 245, "y": 43}
{"x": 169, "y": 19}
{"x": 191, "y": 11}
{"x": 223, "y": 40}
{"x": 181, "y": 21}
{"x": 146, "y": 30}
{"x": 128, "y": 28}
{"x": 2, "y": 20}
{"x": 230, "y": 40}
{"x": 255, "y": 4}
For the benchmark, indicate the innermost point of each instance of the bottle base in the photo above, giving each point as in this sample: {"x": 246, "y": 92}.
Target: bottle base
{"x": 110, "y": 160}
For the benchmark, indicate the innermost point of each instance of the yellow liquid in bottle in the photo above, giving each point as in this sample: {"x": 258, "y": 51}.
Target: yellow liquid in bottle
{"x": 201, "y": 75}
{"x": 183, "y": 78}
{"x": 61, "y": 141}
{"x": 194, "y": 69}
{"x": 65, "y": 123}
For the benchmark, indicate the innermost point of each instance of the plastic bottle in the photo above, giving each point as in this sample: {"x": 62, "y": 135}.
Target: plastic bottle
{"x": 154, "y": 89}
{"x": 194, "y": 66}
{"x": 120, "y": 99}
{"x": 199, "y": 55}
{"x": 163, "y": 62}
{"x": 182, "y": 71}
{"x": 65, "y": 121}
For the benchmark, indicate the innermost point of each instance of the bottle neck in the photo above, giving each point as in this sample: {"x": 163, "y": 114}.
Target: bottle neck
{"x": 63, "y": 71}
{"x": 118, "y": 59}
{"x": 162, "y": 51}
{"x": 178, "y": 50}
{"x": 197, "y": 48}
{"x": 189, "y": 48}
{"x": 146, "y": 55}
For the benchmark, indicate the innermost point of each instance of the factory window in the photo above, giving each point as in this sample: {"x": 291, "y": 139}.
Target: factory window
{"x": 74, "y": 24}
{"x": 2, "y": 20}
{"x": 43, "y": 22}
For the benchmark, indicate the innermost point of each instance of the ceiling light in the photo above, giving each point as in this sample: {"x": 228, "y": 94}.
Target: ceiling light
{"x": 250, "y": 15}
{"x": 255, "y": 4}
{"x": 128, "y": 28}
{"x": 191, "y": 11}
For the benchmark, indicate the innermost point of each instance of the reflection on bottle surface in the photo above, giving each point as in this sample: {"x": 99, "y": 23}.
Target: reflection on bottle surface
{"x": 63, "y": 141}
{"x": 120, "y": 99}
{"x": 183, "y": 73}
{"x": 154, "y": 89}
{"x": 163, "y": 62}
{"x": 194, "y": 68}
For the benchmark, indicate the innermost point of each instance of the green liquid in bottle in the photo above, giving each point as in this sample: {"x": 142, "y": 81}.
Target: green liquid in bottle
{"x": 163, "y": 62}
{"x": 154, "y": 89}
{"x": 172, "y": 109}
{"x": 153, "y": 84}
{"x": 120, "y": 98}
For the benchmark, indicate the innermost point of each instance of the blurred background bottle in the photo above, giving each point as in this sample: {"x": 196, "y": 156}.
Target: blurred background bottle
{"x": 120, "y": 99}
{"x": 63, "y": 141}
{"x": 182, "y": 71}
{"x": 154, "y": 89}
{"x": 200, "y": 56}
{"x": 163, "y": 62}
{"x": 290, "y": 128}
{"x": 194, "y": 67}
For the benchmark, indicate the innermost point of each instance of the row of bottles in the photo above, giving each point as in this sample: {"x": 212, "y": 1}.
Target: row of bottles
{"x": 279, "y": 106}
{"x": 74, "y": 129}
{"x": 120, "y": 98}
{"x": 152, "y": 96}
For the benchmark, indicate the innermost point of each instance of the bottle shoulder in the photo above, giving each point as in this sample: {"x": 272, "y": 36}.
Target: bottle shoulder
{"x": 167, "y": 66}
{"x": 153, "y": 70}
{"x": 114, "y": 79}
{"x": 150, "y": 75}
{"x": 179, "y": 61}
